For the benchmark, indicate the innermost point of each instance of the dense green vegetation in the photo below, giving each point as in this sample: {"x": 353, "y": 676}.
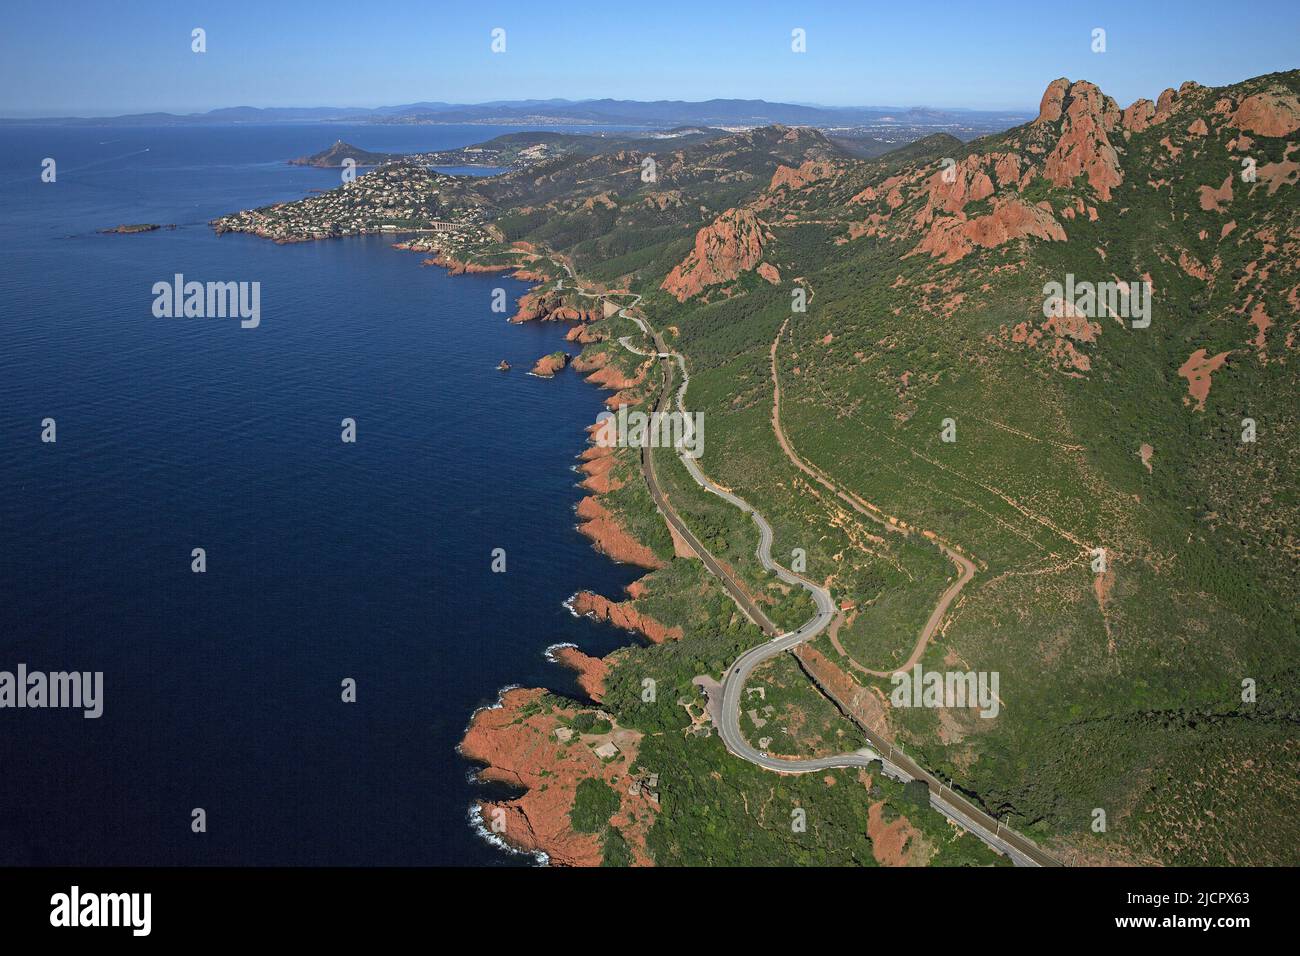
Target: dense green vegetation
{"x": 747, "y": 817}
{"x": 614, "y": 849}
{"x": 593, "y": 804}
{"x": 1120, "y": 691}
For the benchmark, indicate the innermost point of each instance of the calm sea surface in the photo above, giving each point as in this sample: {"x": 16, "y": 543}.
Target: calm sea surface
{"x": 324, "y": 560}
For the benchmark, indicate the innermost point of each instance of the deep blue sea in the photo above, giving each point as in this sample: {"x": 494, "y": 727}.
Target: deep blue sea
{"x": 325, "y": 560}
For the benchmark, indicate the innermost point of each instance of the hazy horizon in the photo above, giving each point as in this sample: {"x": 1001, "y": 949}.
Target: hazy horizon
{"x": 138, "y": 58}
{"x": 1026, "y": 108}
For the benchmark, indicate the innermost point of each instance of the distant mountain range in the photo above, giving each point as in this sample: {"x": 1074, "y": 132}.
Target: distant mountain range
{"x": 604, "y": 112}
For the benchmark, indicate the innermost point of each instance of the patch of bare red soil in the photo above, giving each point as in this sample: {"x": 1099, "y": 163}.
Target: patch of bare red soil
{"x": 861, "y": 702}
{"x": 1058, "y": 335}
{"x": 1101, "y": 586}
{"x": 897, "y": 843}
{"x": 1145, "y": 452}
{"x": 1197, "y": 370}
{"x": 1260, "y": 320}
{"x": 1212, "y": 199}
{"x": 1286, "y": 172}
{"x": 681, "y": 547}
{"x": 1194, "y": 268}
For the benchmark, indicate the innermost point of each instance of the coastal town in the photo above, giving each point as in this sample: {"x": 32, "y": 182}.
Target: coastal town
{"x": 499, "y": 154}
{"x": 395, "y": 198}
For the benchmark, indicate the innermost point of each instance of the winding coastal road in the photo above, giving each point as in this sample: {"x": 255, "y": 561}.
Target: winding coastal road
{"x": 894, "y": 762}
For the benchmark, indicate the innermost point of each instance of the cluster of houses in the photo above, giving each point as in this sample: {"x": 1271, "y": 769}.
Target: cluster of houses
{"x": 396, "y": 198}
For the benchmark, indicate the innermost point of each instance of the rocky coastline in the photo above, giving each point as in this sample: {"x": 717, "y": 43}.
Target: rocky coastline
{"x": 526, "y": 740}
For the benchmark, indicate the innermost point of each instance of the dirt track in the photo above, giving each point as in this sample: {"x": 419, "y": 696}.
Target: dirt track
{"x": 965, "y": 567}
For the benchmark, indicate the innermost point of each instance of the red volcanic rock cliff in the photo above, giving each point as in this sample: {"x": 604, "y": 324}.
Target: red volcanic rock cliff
{"x": 523, "y": 752}
{"x": 732, "y": 244}
{"x": 518, "y": 743}
{"x": 585, "y": 334}
{"x": 549, "y": 305}
{"x": 598, "y": 464}
{"x": 864, "y": 704}
{"x": 951, "y": 239}
{"x": 808, "y": 172}
{"x": 1138, "y": 116}
{"x": 548, "y": 365}
{"x": 592, "y": 671}
{"x": 600, "y": 372}
{"x": 610, "y": 537}
{"x": 623, "y": 614}
{"x": 1269, "y": 113}
{"x": 455, "y": 267}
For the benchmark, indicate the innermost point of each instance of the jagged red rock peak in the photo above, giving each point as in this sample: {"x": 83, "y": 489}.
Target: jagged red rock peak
{"x": 1053, "y": 101}
{"x": 731, "y": 245}
{"x": 1165, "y": 105}
{"x": 1087, "y": 117}
{"x": 808, "y": 172}
{"x": 1138, "y": 116}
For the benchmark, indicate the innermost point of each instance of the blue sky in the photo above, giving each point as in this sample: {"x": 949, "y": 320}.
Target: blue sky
{"x": 112, "y": 56}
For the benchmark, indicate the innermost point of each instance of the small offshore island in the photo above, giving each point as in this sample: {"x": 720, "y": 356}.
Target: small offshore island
{"x": 133, "y": 228}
